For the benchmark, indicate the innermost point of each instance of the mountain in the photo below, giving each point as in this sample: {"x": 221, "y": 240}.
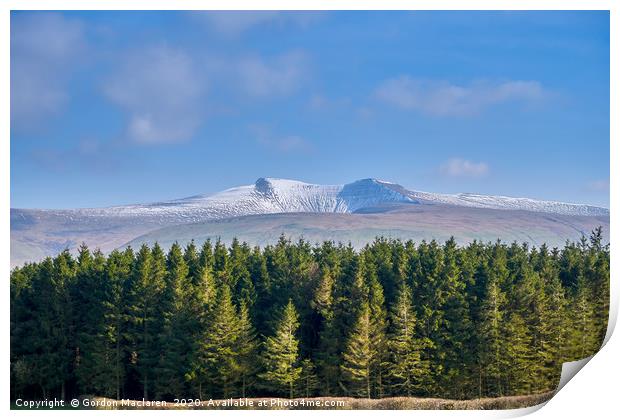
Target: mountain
{"x": 367, "y": 203}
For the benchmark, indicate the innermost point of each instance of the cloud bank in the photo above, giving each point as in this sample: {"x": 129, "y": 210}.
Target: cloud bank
{"x": 232, "y": 24}
{"x": 445, "y": 99}
{"x": 457, "y": 167}
{"x": 45, "y": 48}
{"x": 278, "y": 76}
{"x": 161, "y": 90}
{"x": 279, "y": 143}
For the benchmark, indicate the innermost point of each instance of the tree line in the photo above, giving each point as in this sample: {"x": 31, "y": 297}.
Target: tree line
{"x": 298, "y": 320}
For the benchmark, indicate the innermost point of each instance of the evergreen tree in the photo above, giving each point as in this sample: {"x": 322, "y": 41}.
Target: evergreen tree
{"x": 308, "y": 381}
{"x": 281, "y": 353}
{"x": 327, "y": 354}
{"x": 515, "y": 359}
{"x": 582, "y": 338}
{"x": 453, "y": 338}
{"x": 490, "y": 329}
{"x": 378, "y": 331}
{"x": 90, "y": 294}
{"x": 143, "y": 293}
{"x": 553, "y": 353}
{"x": 220, "y": 344}
{"x": 173, "y": 342}
{"x": 598, "y": 275}
{"x": 205, "y": 284}
{"x": 245, "y": 349}
{"x": 359, "y": 356}
{"x": 262, "y": 284}
{"x": 426, "y": 280}
{"x": 406, "y": 367}
{"x": 110, "y": 355}
{"x": 482, "y": 320}
{"x": 44, "y": 353}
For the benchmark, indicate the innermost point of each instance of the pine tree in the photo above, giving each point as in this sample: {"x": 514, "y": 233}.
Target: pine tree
{"x": 281, "y": 353}
{"x": 322, "y": 299}
{"x": 478, "y": 321}
{"x": 246, "y": 347}
{"x": 406, "y": 367}
{"x": 582, "y": 337}
{"x": 453, "y": 337}
{"x": 64, "y": 273}
{"x": 90, "y": 296}
{"x": 221, "y": 266}
{"x": 359, "y": 356}
{"x": 327, "y": 359}
{"x": 490, "y": 328}
{"x": 308, "y": 381}
{"x": 553, "y": 353}
{"x": 430, "y": 298}
{"x": 44, "y": 356}
{"x": 262, "y": 284}
{"x": 143, "y": 293}
{"x": 378, "y": 331}
{"x": 196, "y": 299}
{"x": 516, "y": 359}
{"x": 21, "y": 281}
{"x": 219, "y": 352}
{"x": 110, "y": 355}
{"x": 173, "y": 340}
{"x": 598, "y": 275}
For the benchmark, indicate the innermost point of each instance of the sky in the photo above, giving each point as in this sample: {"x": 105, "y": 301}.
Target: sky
{"x": 112, "y": 108}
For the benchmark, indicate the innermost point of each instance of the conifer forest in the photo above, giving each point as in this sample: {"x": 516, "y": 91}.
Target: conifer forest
{"x": 293, "y": 319}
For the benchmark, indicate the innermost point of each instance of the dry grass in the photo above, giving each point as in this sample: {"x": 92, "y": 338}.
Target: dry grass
{"x": 345, "y": 403}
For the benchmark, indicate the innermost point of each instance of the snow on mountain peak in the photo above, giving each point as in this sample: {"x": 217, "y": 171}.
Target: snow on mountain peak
{"x": 276, "y": 195}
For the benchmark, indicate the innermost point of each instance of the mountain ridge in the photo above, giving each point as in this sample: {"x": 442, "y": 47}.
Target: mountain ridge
{"x": 358, "y": 210}
{"x": 279, "y": 195}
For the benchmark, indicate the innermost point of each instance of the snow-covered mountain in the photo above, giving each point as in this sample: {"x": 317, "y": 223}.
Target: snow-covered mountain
{"x": 38, "y": 233}
{"x": 273, "y": 195}
{"x": 265, "y": 196}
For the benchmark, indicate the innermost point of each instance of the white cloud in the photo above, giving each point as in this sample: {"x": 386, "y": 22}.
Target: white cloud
{"x": 458, "y": 167}
{"x": 277, "y": 76}
{"x": 234, "y": 23}
{"x": 319, "y": 102}
{"x": 282, "y": 144}
{"x": 162, "y": 92}
{"x": 446, "y": 99}
{"x": 290, "y": 143}
{"x": 599, "y": 185}
{"x": 45, "y": 49}
{"x": 88, "y": 155}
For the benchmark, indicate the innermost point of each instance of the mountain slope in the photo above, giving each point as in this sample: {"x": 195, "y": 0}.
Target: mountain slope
{"x": 38, "y": 233}
{"x": 417, "y": 223}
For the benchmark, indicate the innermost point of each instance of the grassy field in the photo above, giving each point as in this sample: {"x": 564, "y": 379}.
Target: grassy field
{"x": 327, "y": 403}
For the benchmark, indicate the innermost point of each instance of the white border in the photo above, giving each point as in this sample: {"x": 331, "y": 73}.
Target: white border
{"x": 592, "y": 395}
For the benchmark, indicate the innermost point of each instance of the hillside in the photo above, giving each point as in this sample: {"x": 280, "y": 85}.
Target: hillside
{"x": 355, "y": 212}
{"x": 417, "y": 223}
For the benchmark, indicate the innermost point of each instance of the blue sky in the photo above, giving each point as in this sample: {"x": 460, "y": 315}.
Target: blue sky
{"x": 124, "y": 107}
